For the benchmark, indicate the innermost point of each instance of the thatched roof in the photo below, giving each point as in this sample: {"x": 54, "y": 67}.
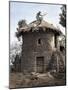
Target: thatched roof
{"x": 43, "y": 24}
{"x": 35, "y": 26}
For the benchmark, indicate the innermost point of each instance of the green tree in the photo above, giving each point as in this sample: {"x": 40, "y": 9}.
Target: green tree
{"x": 63, "y": 16}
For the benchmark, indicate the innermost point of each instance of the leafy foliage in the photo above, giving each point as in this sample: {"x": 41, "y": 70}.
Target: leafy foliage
{"x": 63, "y": 16}
{"x": 15, "y": 52}
{"x": 22, "y": 23}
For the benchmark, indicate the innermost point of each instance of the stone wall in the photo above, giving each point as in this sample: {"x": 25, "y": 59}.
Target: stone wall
{"x": 31, "y": 49}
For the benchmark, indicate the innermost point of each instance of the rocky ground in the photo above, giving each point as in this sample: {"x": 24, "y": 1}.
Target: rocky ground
{"x": 19, "y": 80}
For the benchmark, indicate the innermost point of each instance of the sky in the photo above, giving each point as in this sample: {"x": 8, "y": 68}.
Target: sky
{"x": 28, "y": 11}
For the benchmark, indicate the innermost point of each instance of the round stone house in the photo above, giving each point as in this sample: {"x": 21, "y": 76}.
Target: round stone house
{"x": 38, "y": 43}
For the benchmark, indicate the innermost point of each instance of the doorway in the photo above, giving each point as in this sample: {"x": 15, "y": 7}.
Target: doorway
{"x": 40, "y": 64}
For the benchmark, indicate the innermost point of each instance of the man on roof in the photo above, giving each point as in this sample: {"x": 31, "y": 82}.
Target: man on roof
{"x": 39, "y": 17}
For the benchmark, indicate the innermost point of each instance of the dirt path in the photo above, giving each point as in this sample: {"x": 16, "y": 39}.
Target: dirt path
{"x": 19, "y": 80}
